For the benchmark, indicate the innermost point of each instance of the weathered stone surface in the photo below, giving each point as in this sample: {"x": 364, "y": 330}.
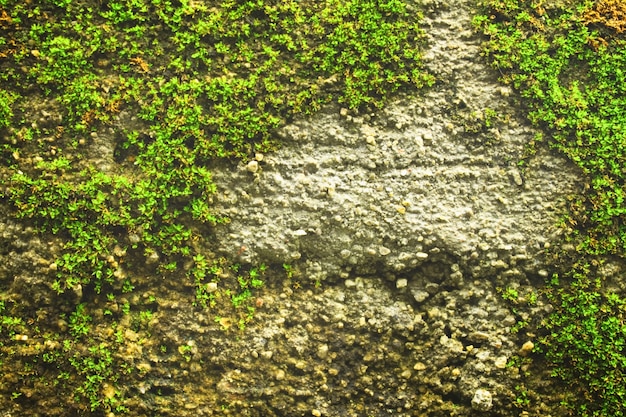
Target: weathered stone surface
{"x": 482, "y": 400}
{"x": 411, "y": 217}
{"x": 428, "y": 178}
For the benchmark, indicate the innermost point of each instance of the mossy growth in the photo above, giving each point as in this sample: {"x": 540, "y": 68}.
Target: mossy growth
{"x": 172, "y": 86}
{"x": 206, "y": 80}
{"x": 567, "y": 61}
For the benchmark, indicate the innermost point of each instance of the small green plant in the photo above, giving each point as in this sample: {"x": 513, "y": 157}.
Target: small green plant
{"x": 185, "y": 351}
{"x": 145, "y": 316}
{"x": 584, "y": 112}
{"x": 96, "y": 368}
{"x": 80, "y": 321}
{"x": 288, "y": 270}
{"x": 490, "y": 115}
{"x": 9, "y": 325}
{"x": 6, "y": 112}
{"x": 585, "y": 342}
{"x": 127, "y": 286}
{"x": 126, "y": 308}
{"x": 522, "y": 399}
{"x": 510, "y": 294}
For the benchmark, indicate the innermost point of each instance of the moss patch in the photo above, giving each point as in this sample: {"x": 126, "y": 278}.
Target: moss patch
{"x": 204, "y": 80}
{"x": 567, "y": 60}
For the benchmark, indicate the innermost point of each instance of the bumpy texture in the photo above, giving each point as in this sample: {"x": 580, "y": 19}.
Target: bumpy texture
{"x": 414, "y": 219}
{"x": 429, "y": 177}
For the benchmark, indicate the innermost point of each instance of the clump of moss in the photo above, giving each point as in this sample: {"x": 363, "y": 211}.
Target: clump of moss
{"x": 567, "y": 61}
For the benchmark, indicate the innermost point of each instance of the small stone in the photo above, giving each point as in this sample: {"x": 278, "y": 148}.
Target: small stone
{"x": 421, "y": 256}
{"x": 483, "y": 355}
{"x": 118, "y": 251}
{"x": 144, "y": 367}
{"x": 152, "y": 259}
{"x": 316, "y": 413}
{"x": 451, "y": 344}
{"x": 62, "y": 325}
{"x": 499, "y": 264}
{"x": 402, "y": 283}
{"x": 253, "y": 166}
{"x": 108, "y": 391}
{"x": 509, "y": 321}
{"x": 259, "y": 156}
{"x": 211, "y": 287}
{"x": 322, "y": 351}
{"x": 406, "y": 374}
{"x": 343, "y": 112}
{"x": 279, "y": 375}
{"x": 501, "y": 362}
{"x": 527, "y": 348}
{"x": 482, "y": 400}
{"x": 478, "y": 337}
{"x": 420, "y": 296}
{"x": 517, "y": 177}
{"x": 419, "y": 366}
{"x": 78, "y": 291}
{"x": 384, "y": 251}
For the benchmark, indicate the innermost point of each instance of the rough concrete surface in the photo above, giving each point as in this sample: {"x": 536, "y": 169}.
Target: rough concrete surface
{"x": 412, "y": 219}
{"x": 428, "y": 177}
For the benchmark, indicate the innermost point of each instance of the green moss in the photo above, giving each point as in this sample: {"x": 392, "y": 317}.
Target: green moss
{"x": 566, "y": 59}
{"x": 208, "y": 80}
{"x": 586, "y": 342}
{"x": 574, "y": 86}
{"x": 6, "y": 112}
{"x": 205, "y": 80}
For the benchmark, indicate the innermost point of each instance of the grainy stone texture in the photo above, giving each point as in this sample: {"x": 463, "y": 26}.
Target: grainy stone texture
{"x": 429, "y": 179}
{"x": 422, "y": 215}
{"x": 413, "y": 219}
